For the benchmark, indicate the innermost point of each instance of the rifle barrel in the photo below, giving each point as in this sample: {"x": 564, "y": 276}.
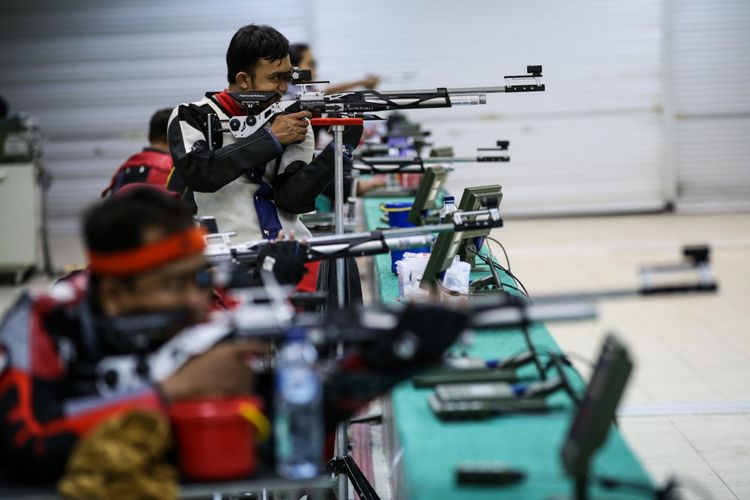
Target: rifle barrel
{"x": 454, "y": 90}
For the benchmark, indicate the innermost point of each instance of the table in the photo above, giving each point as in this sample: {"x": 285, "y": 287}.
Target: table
{"x": 200, "y": 491}
{"x": 424, "y": 451}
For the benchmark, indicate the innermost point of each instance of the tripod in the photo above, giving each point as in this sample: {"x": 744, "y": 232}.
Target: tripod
{"x": 343, "y": 463}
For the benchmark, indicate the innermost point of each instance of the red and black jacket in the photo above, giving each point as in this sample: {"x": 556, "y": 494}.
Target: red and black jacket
{"x": 150, "y": 166}
{"x": 49, "y": 348}
{"x": 47, "y": 400}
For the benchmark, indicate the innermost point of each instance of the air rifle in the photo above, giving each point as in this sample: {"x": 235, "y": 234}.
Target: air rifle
{"x": 273, "y": 320}
{"x": 356, "y": 244}
{"x": 416, "y": 163}
{"x": 265, "y": 313}
{"x": 262, "y": 107}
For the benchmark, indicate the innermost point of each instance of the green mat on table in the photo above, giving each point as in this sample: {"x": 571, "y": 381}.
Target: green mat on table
{"x": 432, "y": 448}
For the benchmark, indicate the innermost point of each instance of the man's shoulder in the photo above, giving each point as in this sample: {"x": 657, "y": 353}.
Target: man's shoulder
{"x": 29, "y": 327}
{"x": 205, "y": 104}
{"x": 206, "y": 99}
{"x": 26, "y": 318}
{"x": 150, "y": 157}
{"x": 67, "y": 291}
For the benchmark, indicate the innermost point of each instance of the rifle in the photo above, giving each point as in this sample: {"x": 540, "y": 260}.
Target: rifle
{"x": 262, "y": 107}
{"x": 356, "y": 244}
{"x": 416, "y": 163}
{"x": 273, "y": 320}
{"x": 265, "y": 313}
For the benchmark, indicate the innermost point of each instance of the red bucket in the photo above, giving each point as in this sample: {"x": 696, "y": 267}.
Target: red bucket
{"x": 216, "y": 438}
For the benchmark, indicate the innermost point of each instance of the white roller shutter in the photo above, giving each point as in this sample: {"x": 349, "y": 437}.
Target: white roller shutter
{"x": 591, "y": 143}
{"x": 93, "y": 72}
{"x": 712, "y": 104}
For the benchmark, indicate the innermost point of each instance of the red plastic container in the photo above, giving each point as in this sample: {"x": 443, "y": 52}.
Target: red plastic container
{"x": 215, "y": 441}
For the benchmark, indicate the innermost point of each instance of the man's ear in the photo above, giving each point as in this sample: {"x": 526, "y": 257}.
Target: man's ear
{"x": 111, "y": 295}
{"x": 244, "y": 80}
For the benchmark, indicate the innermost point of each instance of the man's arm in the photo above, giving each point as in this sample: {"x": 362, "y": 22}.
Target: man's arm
{"x": 350, "y": 185}
{"x": 207, "y": 170}
{"x": 297, "y": 185}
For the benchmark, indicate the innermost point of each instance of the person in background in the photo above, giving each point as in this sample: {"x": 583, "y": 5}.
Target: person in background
{"x": 152, "y": 165}
{"x": 301, "y": 56}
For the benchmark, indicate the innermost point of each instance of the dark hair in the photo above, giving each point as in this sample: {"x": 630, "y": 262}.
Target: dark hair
{"x": 252, "y": 43}
{"x": 157, "y": 128}
{"x": 296, "y": 51}
{"x": 119, "y": 222}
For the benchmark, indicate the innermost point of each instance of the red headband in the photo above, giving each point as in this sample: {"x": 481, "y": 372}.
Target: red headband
{"x": 138, "y": 260}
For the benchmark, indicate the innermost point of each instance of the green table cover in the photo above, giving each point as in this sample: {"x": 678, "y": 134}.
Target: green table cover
{"x": 432, "y": 448}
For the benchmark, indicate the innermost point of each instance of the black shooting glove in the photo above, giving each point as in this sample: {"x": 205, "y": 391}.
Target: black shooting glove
{"x": 295, "y": 189}
{"x": 289, "y": 257}
{"x": 419, "y": 340}
{"x": 422, "y": 334}
{"x": 352, "y": 136}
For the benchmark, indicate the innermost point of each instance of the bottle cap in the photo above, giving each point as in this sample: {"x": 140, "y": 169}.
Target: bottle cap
{"x": 296, "y": 333}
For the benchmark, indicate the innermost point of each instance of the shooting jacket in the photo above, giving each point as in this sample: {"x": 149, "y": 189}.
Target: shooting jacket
{"x": 47, "y": 397}
{"x": 150, "y": 166}
{"x": 49, "y": 347}
{"x": 252, "y": 185}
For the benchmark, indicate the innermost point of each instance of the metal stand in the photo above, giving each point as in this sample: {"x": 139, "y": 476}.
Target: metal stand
{"x": 581, "y": 488}
{"x": 342, "y": 463}
{"x": 338, "y": 208}
{"x": 347, "y": 468}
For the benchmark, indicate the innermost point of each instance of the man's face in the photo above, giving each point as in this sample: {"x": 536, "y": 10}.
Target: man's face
{"x": 174, "y": 285}
{"x": 268, "y": 76}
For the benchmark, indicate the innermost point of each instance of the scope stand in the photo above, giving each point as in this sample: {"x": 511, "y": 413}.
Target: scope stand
{"x": 489, "y": 284}
{"x": 581, "y": 488}
{"x": 493, "y": 284}
{"x": 343, "y": 463}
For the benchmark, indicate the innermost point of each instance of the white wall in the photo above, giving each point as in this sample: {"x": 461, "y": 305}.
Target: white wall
{"x": 598, "y": 140}
{"x": 711, "y": 115}
{"x": 590, "y": 143}
{"x": 93, "y": 72}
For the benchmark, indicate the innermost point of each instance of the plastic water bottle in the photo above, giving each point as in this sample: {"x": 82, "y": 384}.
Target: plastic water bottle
{"x": 298, "y": 416}
{"x": 446, "y": 212}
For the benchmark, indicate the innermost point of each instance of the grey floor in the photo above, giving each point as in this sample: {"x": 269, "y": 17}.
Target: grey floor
{"x": 687, "y": 411}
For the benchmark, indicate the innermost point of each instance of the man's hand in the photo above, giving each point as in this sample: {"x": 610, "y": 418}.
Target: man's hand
{"x": 220, "y": 371}
{"x": 364, "y": 186}
{"x": 370, "y": 81}
{"x": 291, "y": 128}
